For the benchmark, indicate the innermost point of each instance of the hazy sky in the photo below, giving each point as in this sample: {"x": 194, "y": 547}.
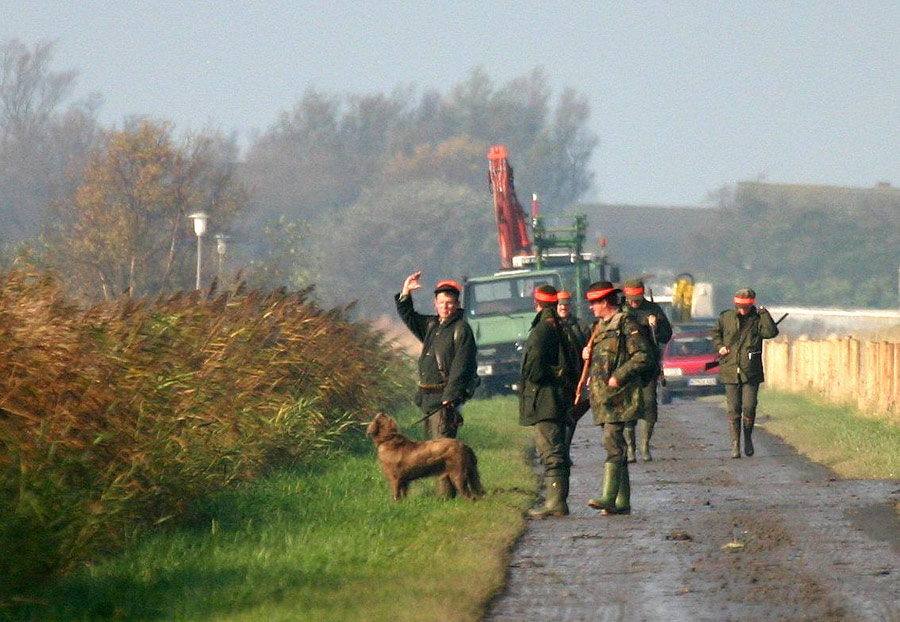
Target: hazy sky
{"x": 685, "y": 96}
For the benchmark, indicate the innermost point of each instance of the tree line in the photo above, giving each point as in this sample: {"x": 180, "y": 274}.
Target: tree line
{"x": 345, "y": 191}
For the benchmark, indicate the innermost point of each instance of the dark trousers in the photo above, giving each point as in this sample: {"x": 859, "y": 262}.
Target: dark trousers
{"x": 614, "y": 440}
{"x": 741, "y": 399}
{"x": 550, "y": 443}
{"x": 648, "y": 391}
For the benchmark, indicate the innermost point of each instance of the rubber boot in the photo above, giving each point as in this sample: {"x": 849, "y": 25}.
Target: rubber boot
{"x": 570, "y": 433}
{"x": 556, "y": 490}
{"x": 629, "y": 443}
{"x": 645, "y": 440}
{"x": 748, "y": 442}
{"x": 735, "y": 438}
{"x": 623, "y": 499}
{"x": 611, "y": 481}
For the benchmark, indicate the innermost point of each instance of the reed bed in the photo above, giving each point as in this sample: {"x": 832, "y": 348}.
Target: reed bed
{"x": 119, "y": 417}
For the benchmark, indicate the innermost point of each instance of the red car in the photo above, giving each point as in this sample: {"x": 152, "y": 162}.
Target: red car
{"x": 684, "y": 362}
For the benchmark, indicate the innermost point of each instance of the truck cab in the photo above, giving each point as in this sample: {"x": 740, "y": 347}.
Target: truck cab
{"x": 500, "y": 309}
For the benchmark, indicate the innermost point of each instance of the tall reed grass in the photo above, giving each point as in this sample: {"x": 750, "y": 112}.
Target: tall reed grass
{"x": 118, "y": 417}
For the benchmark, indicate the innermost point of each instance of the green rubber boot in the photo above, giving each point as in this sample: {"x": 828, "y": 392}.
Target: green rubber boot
{"x": 735, "y": 438}
{"x": 623, "y": 499}
{"x": 629, "y": 443}
{"x": 556, "y": 490}
{"x": 645, "y": 440}
{"x": 611, "y": 480}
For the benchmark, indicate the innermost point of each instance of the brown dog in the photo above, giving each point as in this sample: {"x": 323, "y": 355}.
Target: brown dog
{"x": 402, "y": 460}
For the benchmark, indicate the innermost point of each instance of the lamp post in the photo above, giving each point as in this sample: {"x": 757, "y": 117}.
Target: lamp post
{"x": 200, "y": 219}
{"x": 221, "y": 240}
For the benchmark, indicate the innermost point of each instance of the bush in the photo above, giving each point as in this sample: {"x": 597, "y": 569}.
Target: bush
{"x": 118, "y": 417}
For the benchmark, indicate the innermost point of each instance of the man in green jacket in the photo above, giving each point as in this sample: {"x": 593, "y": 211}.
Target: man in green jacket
{"x": 447, "y": 366}
{"x": 738, "y": 338}
{"x": 578, "y": 332}
{"x": 548, "y": 390}
{"x": 619, "y": 357}
{"x": 657, "y": 330}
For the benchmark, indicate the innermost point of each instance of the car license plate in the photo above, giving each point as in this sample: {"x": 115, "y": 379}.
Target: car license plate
{"x": 703, "y": 382}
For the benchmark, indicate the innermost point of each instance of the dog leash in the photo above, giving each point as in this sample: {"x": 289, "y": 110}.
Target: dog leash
{"x": 428, "y": 414}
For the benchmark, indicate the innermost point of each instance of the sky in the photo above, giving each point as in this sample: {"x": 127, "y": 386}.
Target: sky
{"x": 686, "y": 96}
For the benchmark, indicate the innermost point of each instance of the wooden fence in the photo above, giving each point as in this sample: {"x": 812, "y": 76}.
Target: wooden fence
{"x": 845, "y": 370}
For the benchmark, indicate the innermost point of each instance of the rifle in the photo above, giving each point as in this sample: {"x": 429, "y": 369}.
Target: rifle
{"x": 587, "y": 365}
{"x": 718, "y": 360}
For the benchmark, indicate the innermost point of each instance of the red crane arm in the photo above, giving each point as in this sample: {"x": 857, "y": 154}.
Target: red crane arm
{"x": 512, "y": 225}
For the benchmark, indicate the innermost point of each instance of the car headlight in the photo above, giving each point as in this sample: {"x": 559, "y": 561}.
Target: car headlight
{"x": 672, "y": 371}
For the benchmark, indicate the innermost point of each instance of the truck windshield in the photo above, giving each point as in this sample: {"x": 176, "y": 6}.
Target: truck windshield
{"x": 504, "y": 296}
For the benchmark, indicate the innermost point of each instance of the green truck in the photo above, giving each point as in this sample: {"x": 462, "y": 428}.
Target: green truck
{"x": 500, "y": 307}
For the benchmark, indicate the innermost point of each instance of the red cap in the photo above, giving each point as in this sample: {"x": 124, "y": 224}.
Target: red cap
{"x": 447, "y": 286}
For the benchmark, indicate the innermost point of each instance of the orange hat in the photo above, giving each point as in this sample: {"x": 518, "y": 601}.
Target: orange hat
{"x": 600, "y": 290}
{"x": 545, "y": 293}
{"x": 744, "y": 297}
{"x": 564, "y": 297}
{"x": 447, "y": 286}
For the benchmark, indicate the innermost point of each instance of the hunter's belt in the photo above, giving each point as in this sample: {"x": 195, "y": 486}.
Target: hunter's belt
{"x": 432, "y": 388}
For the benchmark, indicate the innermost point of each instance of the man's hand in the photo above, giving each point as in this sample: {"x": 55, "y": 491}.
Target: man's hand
{"x": 651, "y": 320}
{"x": 411, "y": 283}
{"x": 724, "y": 350}
{"x": 612, "y": 382}
{"x": 586, "y": 353}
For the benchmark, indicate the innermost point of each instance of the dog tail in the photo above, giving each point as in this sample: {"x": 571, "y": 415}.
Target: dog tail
{"x": 473, "y": 480}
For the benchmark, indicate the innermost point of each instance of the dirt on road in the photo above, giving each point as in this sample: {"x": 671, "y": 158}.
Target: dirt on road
{"x": 771, "y": 537}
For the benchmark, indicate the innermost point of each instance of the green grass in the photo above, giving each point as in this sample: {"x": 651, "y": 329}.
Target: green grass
{"x": 323, "y": 544}
{"x": 852, "y": 444}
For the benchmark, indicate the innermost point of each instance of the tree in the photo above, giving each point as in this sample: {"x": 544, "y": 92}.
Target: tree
{"x": 125, "y": 230}
{"x": 41, "y": 147}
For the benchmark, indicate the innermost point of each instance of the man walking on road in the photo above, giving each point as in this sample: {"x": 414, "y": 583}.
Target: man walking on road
{"x": 657, "y": 330}
{"x": 738, "y": 338}
{"x": 447, "y": 364}
{"x": 549, "y": 377}
{"x": 619, "y": 357}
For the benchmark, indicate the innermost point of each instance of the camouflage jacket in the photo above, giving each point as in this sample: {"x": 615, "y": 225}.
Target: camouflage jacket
{"x": 619, "y": 350}
{"x": 745, "y": 340}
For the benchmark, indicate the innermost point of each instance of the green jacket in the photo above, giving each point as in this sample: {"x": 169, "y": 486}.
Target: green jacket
{"x": 744, "y": 338}
{"x": 619, "y": 350}
{"x": 548, "y": 383}
{"x": 447, "y": 366}
{"x": 663, "y": 327}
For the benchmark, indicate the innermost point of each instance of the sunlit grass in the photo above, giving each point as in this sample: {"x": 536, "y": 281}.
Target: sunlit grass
{"x": 326, "y": 543}
{"x": 852, "y": 444}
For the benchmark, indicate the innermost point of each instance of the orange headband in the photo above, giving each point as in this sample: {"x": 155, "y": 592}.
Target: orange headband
{"x": 634, "y": 291}
{"x": 597, "y": 294}
{"x": 448, "y": 283}
{"x": 743, "y": 301}
{"x": 544, "y": 297}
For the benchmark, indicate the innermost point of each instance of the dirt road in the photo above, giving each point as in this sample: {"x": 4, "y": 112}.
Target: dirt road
{"x": 772, "y": 537}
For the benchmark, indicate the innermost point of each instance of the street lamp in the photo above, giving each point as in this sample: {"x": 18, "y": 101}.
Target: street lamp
{"x": 221, "y": 240}
{"x": 200, "y": 219}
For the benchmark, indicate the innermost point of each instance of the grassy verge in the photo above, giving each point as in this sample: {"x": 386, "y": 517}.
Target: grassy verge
{"x": 853, "y": 445}
{"x": 326, "y": 543}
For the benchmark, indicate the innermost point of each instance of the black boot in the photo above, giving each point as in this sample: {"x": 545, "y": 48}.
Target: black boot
{"x": 556, "y": 490}
{"x": 735, "y": 438}
{"x": 748, "y": 432}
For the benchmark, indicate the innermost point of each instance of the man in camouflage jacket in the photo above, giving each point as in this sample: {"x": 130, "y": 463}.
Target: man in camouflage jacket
{"x": 738, "y": 337}
{"x": 618, "y": 357}
{"x": 657, "y": 330}
{"x": 447, "y": 366}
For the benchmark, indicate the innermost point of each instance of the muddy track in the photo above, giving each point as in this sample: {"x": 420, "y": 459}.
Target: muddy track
{"x": 772, "y": 537}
